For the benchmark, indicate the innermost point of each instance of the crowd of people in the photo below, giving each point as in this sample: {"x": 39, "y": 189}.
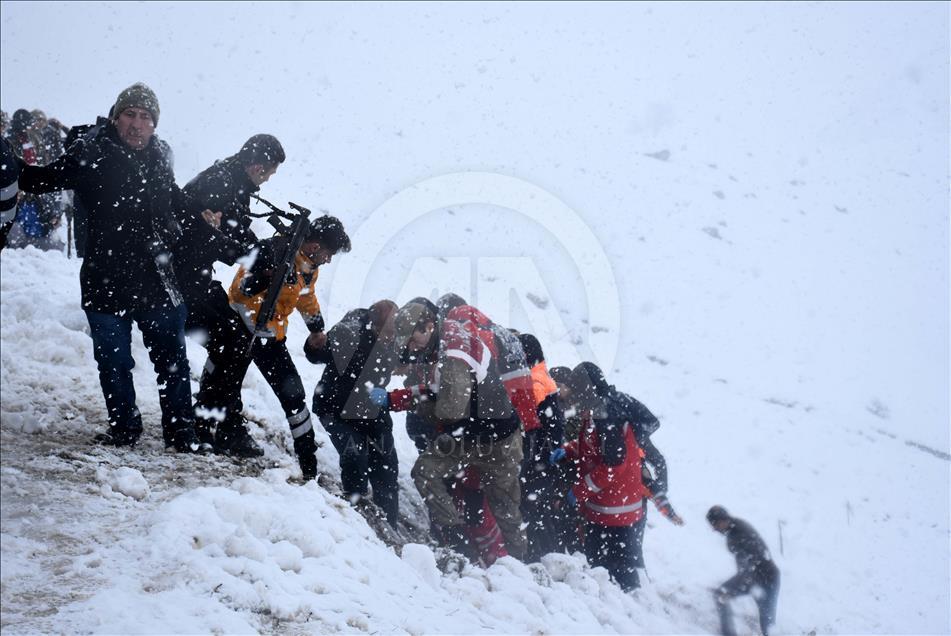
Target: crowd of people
{"x": 515, "y": 458}
{"x": 33, "y": 138}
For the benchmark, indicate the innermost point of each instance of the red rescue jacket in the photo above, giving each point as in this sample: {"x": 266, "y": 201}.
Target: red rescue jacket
{"x": 607, "y": 495}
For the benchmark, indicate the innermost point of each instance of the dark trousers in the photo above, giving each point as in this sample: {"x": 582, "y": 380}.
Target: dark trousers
{"x": 539, "y": 492}
{"x": 617, "y": 549}
{"x": 367, "y": 456}
{"x": 215, "y": 325}
{"x": 163, "y": 331}
{"x": 221, "y": 380}
{"x": 763, "y": 585}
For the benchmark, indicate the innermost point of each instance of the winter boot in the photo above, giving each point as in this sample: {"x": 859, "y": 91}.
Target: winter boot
{"x": 453, "y": 537}
{"x": 232, "y": 438}
{"x": 184, "y": 440}
{"x": 118, "y": 436}
{"x": 305, "y": 447}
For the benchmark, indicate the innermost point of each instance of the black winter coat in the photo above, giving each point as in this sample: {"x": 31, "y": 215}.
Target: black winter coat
{"x": 753, "y": 561}
{"x": 356, "y": 362}
{"x": 131, "y": 198}
{"x": 226, "y": 188}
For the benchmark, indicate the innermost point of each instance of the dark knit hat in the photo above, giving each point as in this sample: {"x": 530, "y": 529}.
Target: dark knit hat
{"x": 137, "y": 96}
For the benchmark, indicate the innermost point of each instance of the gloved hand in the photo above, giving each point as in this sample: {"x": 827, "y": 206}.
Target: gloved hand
{"x": 571, "y": 500}
{"x": 380, "y": 397}
{"x": 663, "y": 505}
{"x": 558, "y": 455}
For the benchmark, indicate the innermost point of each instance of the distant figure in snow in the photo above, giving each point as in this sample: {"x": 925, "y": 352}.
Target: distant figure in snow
{"x": 756, "y": 572}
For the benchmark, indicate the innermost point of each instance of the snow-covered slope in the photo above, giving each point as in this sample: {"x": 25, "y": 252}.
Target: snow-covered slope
{"x": 742, "y": 211}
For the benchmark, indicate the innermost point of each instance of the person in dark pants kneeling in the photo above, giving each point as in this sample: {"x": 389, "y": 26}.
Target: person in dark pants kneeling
{"x": 756, "y": 575}
{"x": 359, "y": 356}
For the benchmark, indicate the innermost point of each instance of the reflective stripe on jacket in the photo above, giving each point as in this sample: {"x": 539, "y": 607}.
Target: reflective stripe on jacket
{"x": 300, "y": 295}
{"x": 608, "y": 495}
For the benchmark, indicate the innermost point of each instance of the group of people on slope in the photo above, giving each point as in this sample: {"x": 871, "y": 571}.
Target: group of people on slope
{"x": 515, "y": 458}
{"x": 32, "y": 138}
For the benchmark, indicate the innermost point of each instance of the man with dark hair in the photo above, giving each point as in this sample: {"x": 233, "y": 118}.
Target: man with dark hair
{"x": 124, "y": 175}
{"x": 221, "y": 385}
{"x": 756, "y": 572}
{"x": 359, "y": 357}
{"x": 222, "y": 233}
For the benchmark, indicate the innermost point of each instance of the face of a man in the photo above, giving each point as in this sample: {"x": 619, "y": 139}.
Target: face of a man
{"x": 420, "y": 338}
{"x": 316, "y": 254}
{"x": 259, "y": 174}
{"x": 135, "y": 127}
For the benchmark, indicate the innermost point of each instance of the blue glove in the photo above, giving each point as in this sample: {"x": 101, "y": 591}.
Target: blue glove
{"x": 556, "y": 456}
{"x": 571, "y": 500}
{"x": 379, "y": 397}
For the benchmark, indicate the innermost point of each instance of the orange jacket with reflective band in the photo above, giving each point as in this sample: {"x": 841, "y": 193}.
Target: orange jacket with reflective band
{"x": 607, "y": 495}
{"x": 542, "y": 384}
{"x": 300, "y": 295}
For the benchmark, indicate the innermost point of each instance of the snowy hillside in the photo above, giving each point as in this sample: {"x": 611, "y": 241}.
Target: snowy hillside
{"x": 740, "y": 210}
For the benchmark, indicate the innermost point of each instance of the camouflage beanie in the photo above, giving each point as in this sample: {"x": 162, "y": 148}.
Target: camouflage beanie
{"x": 137, "y": 96}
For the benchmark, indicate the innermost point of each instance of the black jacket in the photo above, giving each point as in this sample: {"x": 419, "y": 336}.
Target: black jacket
{"x": 356, "y": 362}
{"x": 226, "y": 188}
{"x": 131, "y": 198}
{"x": 753, "y": 561}
{"x": 616, "y": 408}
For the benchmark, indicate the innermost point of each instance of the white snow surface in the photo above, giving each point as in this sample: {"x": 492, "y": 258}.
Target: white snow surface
{"x": 768, "y": 185}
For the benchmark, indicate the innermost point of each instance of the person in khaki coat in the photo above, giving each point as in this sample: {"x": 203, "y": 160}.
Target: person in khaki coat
{"x": 476, "y": 426}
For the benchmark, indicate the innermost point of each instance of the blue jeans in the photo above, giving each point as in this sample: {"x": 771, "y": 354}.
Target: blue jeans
{"x": 163, "y": 332}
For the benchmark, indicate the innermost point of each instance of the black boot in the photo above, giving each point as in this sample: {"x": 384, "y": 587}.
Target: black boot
{"x": 118, "y": 436}
{"x": 305, "y": 447}
{"x": 232, "y": 438}
{"x": 184, "y": 440}
{"x": 453, "y": 537}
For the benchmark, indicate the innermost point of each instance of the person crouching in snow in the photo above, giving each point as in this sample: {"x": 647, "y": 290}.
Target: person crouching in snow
{"x": 756, "y": 572}
{"x": 609, "y": 492}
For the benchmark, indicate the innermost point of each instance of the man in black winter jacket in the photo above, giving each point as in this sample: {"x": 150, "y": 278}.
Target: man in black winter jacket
{"x": 756, "y": 572}
{"x": 359, "y": 356}
{"x": 222, "y": 233}
{"x": 124, "y": 176}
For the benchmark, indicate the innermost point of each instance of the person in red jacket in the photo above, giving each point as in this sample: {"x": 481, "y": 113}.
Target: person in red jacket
{"x": 609, "y": 491}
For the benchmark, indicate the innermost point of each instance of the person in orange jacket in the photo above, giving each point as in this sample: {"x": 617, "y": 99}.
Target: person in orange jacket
{"x": 221, "y": 384}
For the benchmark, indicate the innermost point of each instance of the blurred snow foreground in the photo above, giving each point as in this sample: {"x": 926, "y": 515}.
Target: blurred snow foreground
{"x": 138, "y": 541}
